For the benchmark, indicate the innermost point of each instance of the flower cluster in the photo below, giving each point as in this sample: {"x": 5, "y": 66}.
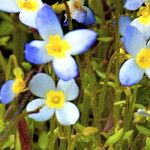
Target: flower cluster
{"x": 135, "y": 38}
{"x": 56, "y": 48}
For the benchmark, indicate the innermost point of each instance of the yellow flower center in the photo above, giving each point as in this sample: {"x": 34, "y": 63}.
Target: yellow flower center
{"x": 55, "y": 99}
{"x": 143, "y": 58}
{"x": 144, "y": 14}
{"x": 18, "y": 86}
{"x": 29, "y": 5}
{"x": 57, "y": 47}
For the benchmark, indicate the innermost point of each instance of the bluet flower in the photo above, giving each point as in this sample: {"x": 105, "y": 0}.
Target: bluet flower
{"x": 81, "y": 13}
{"x": 132, "y": 70}
{"x": 142, "y": 23}
{"x": 28, "y": 9}
{"x": 143, "y": 112}
{"x": 12, "y": 88}
{"x": 57, "y": 47}
{"x": 53, "y": 99}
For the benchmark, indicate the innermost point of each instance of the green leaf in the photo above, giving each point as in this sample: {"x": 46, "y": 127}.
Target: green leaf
{"x": 105, "y": 39}
{"x": 143, "y": 130}
{"x": 4, "y": 40}
{"x": 43, "y": 141}
{"x": 114, "y": 138}
{"x": 147, "y": 146}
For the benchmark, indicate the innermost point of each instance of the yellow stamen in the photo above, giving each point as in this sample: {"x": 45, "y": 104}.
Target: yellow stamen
{"x": 143, "y": 58}
{"x": 144, "y": 14}
{"x": 55, "y": 99}
{"x": 57, "y": 47}
{"x": 18, "y": 86}
{"x": 30, "y": 5}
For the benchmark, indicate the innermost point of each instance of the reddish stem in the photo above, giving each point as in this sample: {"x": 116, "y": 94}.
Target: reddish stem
{"x": 24, "y": 136}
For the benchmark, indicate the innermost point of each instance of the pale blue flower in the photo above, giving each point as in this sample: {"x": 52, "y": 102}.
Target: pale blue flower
{"x": 53, "y": 99}
{"x": 57, "y": 47}
{"x": 81, "y": 13}
{"x": 132, "y": 70}
{"x": 27, "y": 9}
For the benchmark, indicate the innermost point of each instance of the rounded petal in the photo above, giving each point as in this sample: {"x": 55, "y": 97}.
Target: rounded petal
{"x": 133, "y": 40}
{"x": 40, "y": 84}
{"x": 36, "y": 53}
{"x": 133, "y": 4}
{"x": 147, "y": 72}
{"x": 28, "y": 18}
{"x": 44, "y": 113}
{"x": 124, "y": 21}
{"x": 79, "y": 16}
{"x": 65, "y": 68}
{"x": 80, "y": 40}
{"x": 144, "y": 29}
{"x": 89, "y": 18}
{"x": 130, "y": 73}
{"x": 48, "y": 23}
{"x": 9, "y": 6}
{"x": 67, "y": 115}
{"x": 6, "y": 92}
{"x": 70, "y": 88}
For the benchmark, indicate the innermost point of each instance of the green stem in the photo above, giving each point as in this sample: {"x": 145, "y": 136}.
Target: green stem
{"x": 104, "y": 89}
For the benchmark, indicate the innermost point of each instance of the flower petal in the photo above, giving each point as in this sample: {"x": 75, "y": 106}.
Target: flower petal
{"x": 44, "y": 113}
{"x": 124, "y": 21}
{"x": 133, "y": 4}
{"x": 90, "y": 18}
{"x": 130, "y": 73}
{"x": 6, "y": 92}
{"x": 144, "y": 29}
{"x": 9, "y": 6}
{"x": 79, "y": 16}
{"x": 65, "y": 68}
{"x": 133, "y": 40}
{"x": 36, "y": 53}
{"x": 147, "y": 72}
{"x": 28, "y": 18}
{"x": 48, "y": 23}
{"x": 67, "y": 115}
{"x": 40, "y": 84}
{"x": 80, "y": 40}
{"x": 70, "y": 88}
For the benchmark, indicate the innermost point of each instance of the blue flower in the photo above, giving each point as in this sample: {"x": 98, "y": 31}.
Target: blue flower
{"x": 28, "y": 9}
{"x": 132, "y": 70}
{"x": 133, "y": 4}
{"x": 81, "y": 13}
{"x": 11, "y": 89}
{"x": 57, "y": 47}
{"x": 53, "y": 99}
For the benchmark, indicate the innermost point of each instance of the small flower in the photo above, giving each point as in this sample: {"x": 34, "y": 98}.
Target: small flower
{"x": 133, "y": 4}
{"x": 53, "y": 99}
{"x": 81, "y": 13}
{"x": 28, "y": 9}
{"x": 143, "y": 112}
{"x": 57, "y": 47}
{"x": 142, "y": 23}
{"x": 12, "y": 88}
{"x": 132, "y": 70}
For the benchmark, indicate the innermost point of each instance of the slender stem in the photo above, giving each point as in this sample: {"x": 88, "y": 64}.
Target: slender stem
{"x": 25, "y": 140}
{"x": 68, "y": 15}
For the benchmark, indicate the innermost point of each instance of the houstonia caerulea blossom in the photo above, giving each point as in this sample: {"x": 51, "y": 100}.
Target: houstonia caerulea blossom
{"x": 11, "y": 89}
{"x": 81, "y": 13}
{"x": 57, "y": 47}
{"x": 132, "y": 70}
{"x": 142, "y": 23}
{"x": 28, "y": 9}
{"x": 133, "y": 4}
{"x": 143, "y": 112}
{"x": 53, "y": 99}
